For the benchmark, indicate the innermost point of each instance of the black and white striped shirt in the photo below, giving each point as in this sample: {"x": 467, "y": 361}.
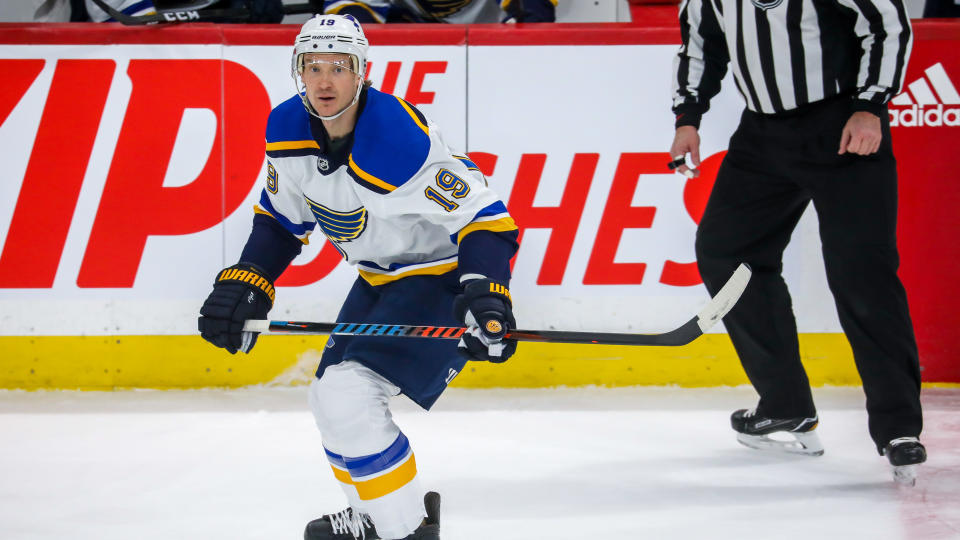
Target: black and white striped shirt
{"x": 787, "y": 53}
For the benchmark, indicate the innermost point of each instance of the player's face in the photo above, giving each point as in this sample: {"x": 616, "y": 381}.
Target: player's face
{"x": 330, "y": 82}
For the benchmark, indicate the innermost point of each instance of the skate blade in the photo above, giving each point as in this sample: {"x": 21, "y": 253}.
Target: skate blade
{"x": 804, "y": 444}
{"x": 905, "y": 475}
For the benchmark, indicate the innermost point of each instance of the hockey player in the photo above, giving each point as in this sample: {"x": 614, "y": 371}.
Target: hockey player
{"x": 432, "y": 244}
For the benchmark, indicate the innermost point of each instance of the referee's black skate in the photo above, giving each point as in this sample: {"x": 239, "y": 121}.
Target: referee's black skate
{"x": 790, "y": 435}
{"x": 351, "y": 525}
{"x": 904, "y": 455}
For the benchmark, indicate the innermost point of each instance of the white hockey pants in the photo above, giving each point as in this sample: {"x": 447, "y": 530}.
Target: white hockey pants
{"x": 370, "y": 456}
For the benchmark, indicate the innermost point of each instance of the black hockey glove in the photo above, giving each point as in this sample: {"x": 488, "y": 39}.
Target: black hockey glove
{"x": 485, "y": 307}
{"x": 240, "y": 292}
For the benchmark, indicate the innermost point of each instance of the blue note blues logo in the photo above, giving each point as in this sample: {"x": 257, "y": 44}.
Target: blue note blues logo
{"x": 339, "y": 226}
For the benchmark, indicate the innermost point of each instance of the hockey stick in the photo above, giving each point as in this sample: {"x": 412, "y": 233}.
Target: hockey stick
{"x": 718, "y": 306}
{"x": 193, "y": 15}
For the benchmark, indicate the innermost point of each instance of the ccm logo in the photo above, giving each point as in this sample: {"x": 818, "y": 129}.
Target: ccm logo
{"x": 174, "y": 16}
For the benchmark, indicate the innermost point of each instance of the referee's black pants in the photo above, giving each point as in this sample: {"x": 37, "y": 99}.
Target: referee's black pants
{"x": 774, "y": 167}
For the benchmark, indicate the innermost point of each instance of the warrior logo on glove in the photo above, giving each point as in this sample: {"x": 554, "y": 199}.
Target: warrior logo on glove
{"x": 250, "y": 276}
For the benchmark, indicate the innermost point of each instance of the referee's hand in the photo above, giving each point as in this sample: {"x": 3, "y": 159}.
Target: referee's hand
{"x": 686, "y": 140}
{"x": 861, "y": 135}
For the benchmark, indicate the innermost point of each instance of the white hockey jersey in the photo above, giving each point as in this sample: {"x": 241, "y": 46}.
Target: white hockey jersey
{"x": 396, "y": 203}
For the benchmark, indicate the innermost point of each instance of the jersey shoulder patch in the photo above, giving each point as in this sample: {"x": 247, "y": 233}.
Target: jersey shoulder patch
{"x": 288, "y": 131}
{"x": 391, "y": 143}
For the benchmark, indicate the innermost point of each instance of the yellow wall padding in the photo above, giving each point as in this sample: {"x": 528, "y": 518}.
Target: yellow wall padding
{"x": 109, "y": 362}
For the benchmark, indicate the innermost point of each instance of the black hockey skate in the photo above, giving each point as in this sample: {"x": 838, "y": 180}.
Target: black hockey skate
{"x": 346, "y": 524}
{"x": 350, "y": 525}
{"x": 430, "y": 528}
{"x": 905, "y": 454}
{"x": 790, "y": 435}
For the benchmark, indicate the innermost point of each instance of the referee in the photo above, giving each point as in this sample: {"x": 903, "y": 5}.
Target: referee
{"x": 816, "y": 76}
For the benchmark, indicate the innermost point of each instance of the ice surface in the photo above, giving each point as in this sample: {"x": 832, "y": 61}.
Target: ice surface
{"x": 510, "y": 464}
